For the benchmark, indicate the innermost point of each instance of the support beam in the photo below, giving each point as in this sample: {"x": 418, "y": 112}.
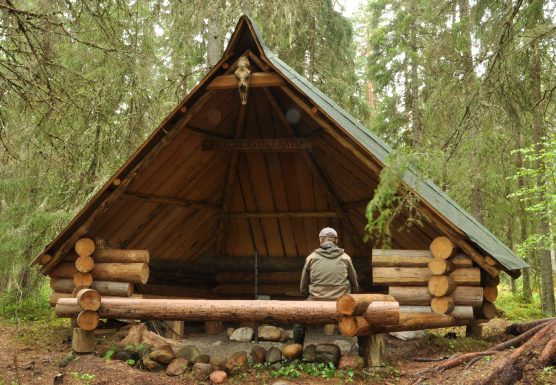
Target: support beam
{"x": 321, "y": 179}
{"x": 258, "y": 79}
{"x": 374, "y": 350}
{"x": 115, "y": 194}
{"x": 354, "y": 205}
{"x": 137, "y": 196}
{"x": 230, "y": 182}
{"x": 293, "y": 214}
{"x": 204, "y": 134}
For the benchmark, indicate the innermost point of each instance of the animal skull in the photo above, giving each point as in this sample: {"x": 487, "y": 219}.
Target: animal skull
{"x": 243, "y": 76}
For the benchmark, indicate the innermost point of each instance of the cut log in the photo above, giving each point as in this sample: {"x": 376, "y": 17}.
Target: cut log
{"x": 114, "y": 256}
{"x": 84, "y": 264}
{"x": 442, "y": 285}
{"x": 357, "y": 304}
{"x": 374, "y": 350}
{"x": 176, "y": 291}
{"x": 443, "y": 247}
{"x": 84, "y": 247}
{"x": 77, "y": 290}
{"x": 414, "y": 258}
{"x": 265, "y": 277}
{"x": 104, "y": 288}
{"x": 213, "y": 327}
{"x": 490, "y": 293}
{"x": 419, "y": 276}
{"x": 87, "y": 319}
{"x": 416, "y": 295}
{"x": 83, "y": 279}
{"x": 443, "y": 305}
{"x": 221, "y": 264}
{"x": 382, "y": 313}
{"x": 45, "y": 259}
{"x": 113, "y": 272}
{"x": 54, "y": 297}
{"x": 487, "y": 310}
{"x": 88, "y": 299}
{"x": 83, "y": 341}
{"x": 460, "y": 313}
{"x": 309, "y": 312}
{"x": 439, "y": 266}
{"x": 467, "y": 277}
{"x": 351, "y": 326}
{"x": 231, "y": 290}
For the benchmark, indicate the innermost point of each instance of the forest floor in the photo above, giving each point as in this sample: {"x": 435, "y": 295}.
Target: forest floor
{"x": 41, "y": 345}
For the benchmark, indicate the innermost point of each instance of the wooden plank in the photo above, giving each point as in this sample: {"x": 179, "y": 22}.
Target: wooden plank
{"x": 258, "y": 79}
{"x": 239, "y": 239}
{"x": 266, "y": 144}
{"x": 116, "y": 193}
{"x": 168, "y": 200}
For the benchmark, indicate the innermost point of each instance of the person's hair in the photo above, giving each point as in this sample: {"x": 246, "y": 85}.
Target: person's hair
{"x": 330, "y": 237}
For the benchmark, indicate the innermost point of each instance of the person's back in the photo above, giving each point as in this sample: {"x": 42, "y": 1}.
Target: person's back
{"x": 327, "y": 275}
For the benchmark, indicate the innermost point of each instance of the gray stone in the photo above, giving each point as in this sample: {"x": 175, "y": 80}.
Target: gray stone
{"x": 284, "y": 337}
{"x": 290, "y": 334}
{"x": 230, "y": 331}
{"x": 242, "y": 335}
{"x": 329, "y": 353}
{"x": 275, "y": 366}
{"x": 310, "y": 353}
{"x": 164, "y": 355}
{"x": 217, "y": 343}
{"x": 202, "y": 359}
{"x": 146, "y": 350}
{"x": 189, "y": 352}
{"x": 273, "y": 355}
{"x": 410, "y": 335}
{"x": 270, "y": 333}
{"x": 219, "y": 363}
{"x": 68, "y": 359}
{"x": 202, "y": 371}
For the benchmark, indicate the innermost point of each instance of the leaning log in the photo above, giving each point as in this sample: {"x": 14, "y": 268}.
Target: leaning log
{"x": 113, "y": 272}
{"x": 357, "y": 304}
{"x": 232, "y": 290}
{"x": 418, "y": 295}
{"x": 420, "y": 276}
{"x": 309, "y": 312}
{"x": 113, "y": 256}
{"x": 116, "y": 289}
{"x": 351, "y": 326}
{"x": 265, "y": 277}
{"x": 414, "y": 258}
{"x": 176, "y": 291}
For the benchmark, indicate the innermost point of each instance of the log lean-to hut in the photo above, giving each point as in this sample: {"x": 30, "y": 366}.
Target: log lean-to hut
{"x": 263, "y": 161}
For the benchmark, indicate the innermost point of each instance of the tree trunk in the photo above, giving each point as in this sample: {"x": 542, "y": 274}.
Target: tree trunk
{"x": 312, "y": 53}
{"x": 289, "y": 312}
{"x": 527, "y": 290}
{"x": 415, "y": 120}
{"x": 547, "y": 301}
{"x": 214, "y": 37}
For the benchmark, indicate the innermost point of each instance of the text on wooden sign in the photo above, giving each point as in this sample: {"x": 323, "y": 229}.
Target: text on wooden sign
{"x": 273, "y": 144}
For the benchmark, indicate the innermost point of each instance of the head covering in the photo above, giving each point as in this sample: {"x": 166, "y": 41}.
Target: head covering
{"x": 327, "y": 230}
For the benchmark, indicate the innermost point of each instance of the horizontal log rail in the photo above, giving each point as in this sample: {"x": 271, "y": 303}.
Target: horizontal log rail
{"x": 167, "y": 200}
{"x": 258, "y": 79}
{"x": 309, "y": 312}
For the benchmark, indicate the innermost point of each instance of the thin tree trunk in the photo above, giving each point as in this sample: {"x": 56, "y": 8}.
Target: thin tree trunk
{"x": 215, "y": 41}
{"x": 312, "y": 53}
{"x": 246, "y": 8}
{"x": 527, "y": 291}
{"x": 415, "y": 122}
{"x": 547, "y": 280}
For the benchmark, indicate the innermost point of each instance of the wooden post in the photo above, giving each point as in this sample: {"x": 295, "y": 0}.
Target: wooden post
{"x": 474, "y": 331}
{"x": 178, "y": 327}
{"x": 83, "y": 340}
{"x": 374, "y": 350}
{"x": 247, "y": 324}
{"x": 330, "y": 330}
{"x": 214, "y": 327}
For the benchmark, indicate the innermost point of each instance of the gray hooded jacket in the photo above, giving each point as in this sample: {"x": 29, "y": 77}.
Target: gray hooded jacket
{"x": 328, "y": 274}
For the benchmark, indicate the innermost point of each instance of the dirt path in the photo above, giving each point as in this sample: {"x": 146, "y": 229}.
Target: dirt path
{"x": 41, "y": 346}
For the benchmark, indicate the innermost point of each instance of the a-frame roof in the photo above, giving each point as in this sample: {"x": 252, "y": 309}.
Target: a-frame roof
{"x": 170, "y": 164}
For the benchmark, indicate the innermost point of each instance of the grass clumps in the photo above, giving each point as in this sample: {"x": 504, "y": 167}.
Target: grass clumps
{"x": 516, "y": 307}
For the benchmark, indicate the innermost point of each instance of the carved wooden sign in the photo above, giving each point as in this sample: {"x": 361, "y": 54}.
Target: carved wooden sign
{"x": 273, "y": 144}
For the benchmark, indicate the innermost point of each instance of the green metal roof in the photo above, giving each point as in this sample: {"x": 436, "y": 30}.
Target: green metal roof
{"x": 427, "y": 190}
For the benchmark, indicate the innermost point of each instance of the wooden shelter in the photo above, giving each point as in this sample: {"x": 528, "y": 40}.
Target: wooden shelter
{"x": 262, "y": 161}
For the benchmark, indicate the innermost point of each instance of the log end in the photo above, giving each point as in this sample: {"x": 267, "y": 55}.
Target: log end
{"x": 89, "y": 299}
{"x": 443, "y": 247}
{"x": 442, "y": 285}
{"x": 85, "y": 247}
{"x": 88, "y": 319}
{"x": 442, "y": 305}
{"x": 346, "y": 304}
{"x": 84, "y": 264}
{"x": 83, "y": 279}
{"x": 490, "y": 293}
{"x": 348, "y": 326}
{"x": 145, "y": 273}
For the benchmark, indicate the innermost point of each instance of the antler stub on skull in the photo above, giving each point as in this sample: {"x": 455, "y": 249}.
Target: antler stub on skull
{"x": 243, "y": 76}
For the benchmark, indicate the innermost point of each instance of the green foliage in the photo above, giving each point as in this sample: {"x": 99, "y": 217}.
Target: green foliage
{"x": 518, "y": 308}
{"x": 393, "y": 198}
{"x": 130, "y": 362}
{"x": 85, "y": 378}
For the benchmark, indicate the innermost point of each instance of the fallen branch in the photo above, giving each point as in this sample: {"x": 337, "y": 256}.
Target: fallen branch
{"x": 432, "y": 359}
{"x": 420, "y": 380}
{"x": 548, "y": 354}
